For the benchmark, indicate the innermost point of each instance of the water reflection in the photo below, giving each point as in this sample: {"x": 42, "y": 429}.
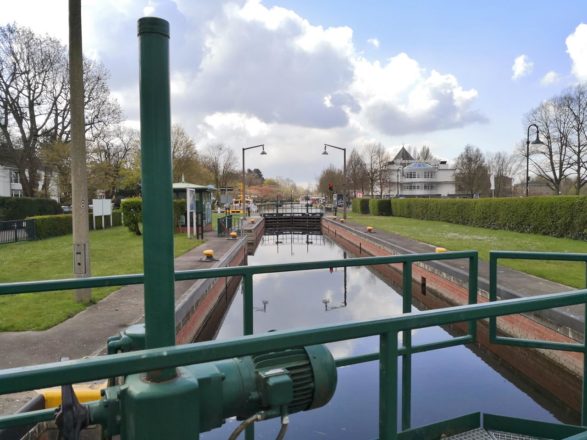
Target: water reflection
{"x": 445, "y": 383}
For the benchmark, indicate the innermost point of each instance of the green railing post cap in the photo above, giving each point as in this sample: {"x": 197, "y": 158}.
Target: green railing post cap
{"x": 153, "y": 25}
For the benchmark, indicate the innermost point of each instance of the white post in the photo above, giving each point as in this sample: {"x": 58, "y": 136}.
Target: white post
{"x": 188, "y": 204}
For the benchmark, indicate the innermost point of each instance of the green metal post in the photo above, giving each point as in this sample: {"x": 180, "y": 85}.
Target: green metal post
{"x": 388, "y": 386}
{"x": 157, "y": 185}
{"x": 473, "y": 287}
{"x": 407, "y": 343}
{"x": 248, "y": 326}
{"x": 492, "y": 294}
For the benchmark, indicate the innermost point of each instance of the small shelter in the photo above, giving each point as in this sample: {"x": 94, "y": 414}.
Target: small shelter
{"x": 200, "y": 204}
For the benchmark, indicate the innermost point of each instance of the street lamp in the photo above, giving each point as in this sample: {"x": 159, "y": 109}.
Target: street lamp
{"x": 536, "y": 141}
{"x": 343, "y": 175}
{"x": 263, "y": 152}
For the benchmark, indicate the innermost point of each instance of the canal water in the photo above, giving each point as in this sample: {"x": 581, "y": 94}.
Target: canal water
{"x": 445, "y": 383}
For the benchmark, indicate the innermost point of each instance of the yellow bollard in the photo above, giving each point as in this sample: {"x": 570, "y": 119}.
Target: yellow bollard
{"x": 233, "y": 234}
{"x": 369, "y": 229}
{"x": 440, "y": 250}
{"x": 342, "y": 220}
{"x": 209, "y": 254}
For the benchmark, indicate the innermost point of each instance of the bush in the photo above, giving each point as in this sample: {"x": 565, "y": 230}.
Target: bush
{"x": 360, "y": 206}
{"x": 47, "y": 226}
{"x": 132, "y": 211}
{"x": 561, "y": 216}
{"x": 19, "y": 208}
{"x": 179, "y": 209}
{"x": 380, "y": 206}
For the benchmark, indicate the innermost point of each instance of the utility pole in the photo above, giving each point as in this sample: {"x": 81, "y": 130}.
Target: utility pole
{"x": 79, "y": 180}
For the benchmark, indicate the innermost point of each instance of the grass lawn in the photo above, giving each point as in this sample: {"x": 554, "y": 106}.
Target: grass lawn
{"x": 112, "y": 251}
{"x": 458, "y": 237}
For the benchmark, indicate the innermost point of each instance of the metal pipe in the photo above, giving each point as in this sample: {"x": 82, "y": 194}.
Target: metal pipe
{"x": 157, "y": 184}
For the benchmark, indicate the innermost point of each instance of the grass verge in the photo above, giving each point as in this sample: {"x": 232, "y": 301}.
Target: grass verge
{"x": 457, "y": 237}
{"x": 113, "y": 251}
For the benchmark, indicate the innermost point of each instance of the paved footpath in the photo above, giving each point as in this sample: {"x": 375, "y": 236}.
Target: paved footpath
{"x": 86, "y": 333}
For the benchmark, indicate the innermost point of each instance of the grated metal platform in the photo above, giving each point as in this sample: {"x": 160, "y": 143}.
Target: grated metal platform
{"x": 482, "y": 434}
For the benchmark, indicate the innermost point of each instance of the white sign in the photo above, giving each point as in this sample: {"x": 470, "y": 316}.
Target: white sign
{"x": 102, "y": 207}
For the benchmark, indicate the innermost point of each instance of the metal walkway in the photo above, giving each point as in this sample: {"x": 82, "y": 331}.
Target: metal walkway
{"x": 482, "y": 434}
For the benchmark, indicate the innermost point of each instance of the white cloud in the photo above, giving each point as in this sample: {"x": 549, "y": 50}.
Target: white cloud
{"x": 550, "y": 78}
{"x": 373, "y": 42}
{"x": 244, "y": 73}
{"x": 577, "y": 50}
{"x": 522, "y": 66}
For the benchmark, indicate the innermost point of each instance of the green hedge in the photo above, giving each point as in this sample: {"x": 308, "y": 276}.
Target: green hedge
{"x": 47, "y": 226}
{"x": 380, "y": 206}
{"x": 132, "y": 212}
{"x": 561, "y": 216}
{"x": 19, "y": 208}
{"x": 360, "y": 206}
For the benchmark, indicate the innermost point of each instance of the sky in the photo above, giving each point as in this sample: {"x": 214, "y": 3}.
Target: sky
{"x": 295, "y": 74}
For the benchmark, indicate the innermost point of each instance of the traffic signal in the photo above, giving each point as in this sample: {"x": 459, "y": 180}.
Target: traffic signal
{"x": 330, "y": 187}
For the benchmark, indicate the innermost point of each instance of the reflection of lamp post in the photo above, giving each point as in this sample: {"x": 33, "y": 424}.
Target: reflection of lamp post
{"x": 326, "y": 301}
{"x": 263, "y": 152}
{"x": 343, "y": 176}
{"x": 536, "y": 141}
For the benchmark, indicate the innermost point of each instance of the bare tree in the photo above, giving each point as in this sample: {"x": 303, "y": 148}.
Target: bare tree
{"x": 110, "y": 153}
{"x": 330, "y": 176}
{"x": 574, "y": 102}
{"x": 376, "y": 159}
{"x": 34, "y": 98}
{"x": 472, "y": 172}
{"x": 550, "y": 161}
{"x": 183, "y": 155}
{"x": 356, "y": 171}
{"x": 221, "y": 163}
{"x": 503, "y": 167}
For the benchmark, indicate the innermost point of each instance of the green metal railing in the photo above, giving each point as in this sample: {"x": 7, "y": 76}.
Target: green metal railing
{"x": 494, "y": 256}
{"x": 34, "y": 377}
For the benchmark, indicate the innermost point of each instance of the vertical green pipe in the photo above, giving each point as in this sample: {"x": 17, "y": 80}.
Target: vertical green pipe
{"x": 473, "y": 287}
{"x": 248, "y": 304}
{"x": 156, "y": 186}
{"x": 248, "y": 326}
{"x": 492, "y": 294}
{"x": 407, "y": 342}
{"x": 388, "y": 386}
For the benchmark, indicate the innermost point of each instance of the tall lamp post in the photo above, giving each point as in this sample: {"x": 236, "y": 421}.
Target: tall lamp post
{"x": 536, "y": 141}
{"x": 263, "y": 152}
{"x": 343, "y": 175}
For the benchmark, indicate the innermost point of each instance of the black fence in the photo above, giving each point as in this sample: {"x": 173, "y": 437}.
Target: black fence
{"x": 17, "y": 230}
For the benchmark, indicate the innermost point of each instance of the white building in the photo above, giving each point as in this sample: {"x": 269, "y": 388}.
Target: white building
{"x": 413, "y": 178}
{"x": 9, "y": 182}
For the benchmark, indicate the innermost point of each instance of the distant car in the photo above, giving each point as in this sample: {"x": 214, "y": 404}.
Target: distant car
{"x": 66, "y": 208}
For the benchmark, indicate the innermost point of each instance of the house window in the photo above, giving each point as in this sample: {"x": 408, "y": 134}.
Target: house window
{"x": 428, "y": 186}
{"x": 14, "y": 177}
{"x": 428, "y": 174}
{"x": 411, "y": 175}
{"x": 412, "y": 187}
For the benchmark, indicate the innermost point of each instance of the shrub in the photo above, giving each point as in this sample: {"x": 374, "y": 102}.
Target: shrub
{"x": 380, "y": 206}
{"x": 47, "y": 226}
{"x": 561, "y": 216}
{"x": 360, "y": 206}
{"x": 179, "y": 209}
{"x": 19, "y": 208}
{"x": 132, "y": 210}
